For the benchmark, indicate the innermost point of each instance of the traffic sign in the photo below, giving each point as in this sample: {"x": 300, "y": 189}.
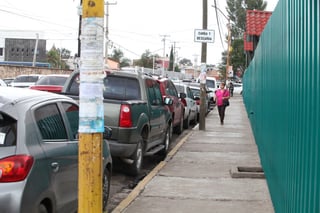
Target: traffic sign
{"x": 204, "y": 36}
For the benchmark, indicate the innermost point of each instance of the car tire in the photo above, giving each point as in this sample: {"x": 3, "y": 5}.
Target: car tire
{"x": 42, "y": 208}
{"x": 186, "y": 122}
{"x": 137, "y": 158}
{"x": 106, "y": 188}
{"x": 166, "y": 142}
{"x": 179, "y": 127}
{"x": 194, "y": 120}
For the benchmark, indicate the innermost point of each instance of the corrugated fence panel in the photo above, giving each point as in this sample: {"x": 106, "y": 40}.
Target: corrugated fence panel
{"x": 282, "y": 98}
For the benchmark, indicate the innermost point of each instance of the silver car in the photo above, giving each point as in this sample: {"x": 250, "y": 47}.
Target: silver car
{"x": 39, "y": 152}
{"x": 189, "y": 102}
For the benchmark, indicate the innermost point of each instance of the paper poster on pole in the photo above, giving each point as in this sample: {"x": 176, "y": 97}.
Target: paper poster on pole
{"x": 230, "y": 72}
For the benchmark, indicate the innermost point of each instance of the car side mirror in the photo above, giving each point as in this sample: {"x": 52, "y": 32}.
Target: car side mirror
{"x": 168, "y": 101}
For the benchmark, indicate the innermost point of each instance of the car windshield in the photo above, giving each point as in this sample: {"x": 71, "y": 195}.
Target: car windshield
{"x": 180, "y": 88}
{"x": 26, "y": 78}
{"x": 8, "y": 130}
{"x": 210, "y": 83}
{"x": 196, "y": 92}
{"x": 52, "y": 80}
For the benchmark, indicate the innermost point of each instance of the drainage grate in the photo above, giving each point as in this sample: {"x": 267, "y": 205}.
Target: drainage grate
{"x": 247, "y": 172}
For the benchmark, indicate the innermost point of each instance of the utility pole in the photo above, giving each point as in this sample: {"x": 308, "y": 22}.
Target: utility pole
{"x": 107, "y": 29}
{"x": 164, "y": 51}
{"x": 202, "y": 124}
{"x": 91, "y": 113}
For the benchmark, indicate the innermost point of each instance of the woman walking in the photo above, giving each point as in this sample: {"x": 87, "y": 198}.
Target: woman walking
{"x": 221, "y": 95}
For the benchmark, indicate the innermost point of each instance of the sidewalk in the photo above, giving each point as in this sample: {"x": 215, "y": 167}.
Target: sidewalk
{"x": 201, "y": 174}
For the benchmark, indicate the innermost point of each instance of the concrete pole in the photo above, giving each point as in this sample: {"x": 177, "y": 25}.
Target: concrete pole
{"x": 202, "y": 123}
{"x": 35, "y": 51}
{"x": 91, "y": 122}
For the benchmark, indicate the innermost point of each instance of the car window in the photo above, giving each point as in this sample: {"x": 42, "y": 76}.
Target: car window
{"x": 196, "y": 92}
{"x": 74, "y": 86}
{"x": 50, "y": 123}
{"x": 8, "y": 130}
{"x": 72, "y": 113}
{"x": 52, "y": 80}
{"x": 190, "y": 93}
{"x": 121, "y": 88}
{"x": 210, "y": 83}
{"x": 172, "y": 89}
{"x": 153, "y": 92}
{"x": 26, "y": 78}
{"x": 180, "y": 88}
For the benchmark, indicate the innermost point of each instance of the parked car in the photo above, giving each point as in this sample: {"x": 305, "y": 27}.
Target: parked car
{"x": 39, "y": 152}
{"x": 137, "y": 114}
{"x": 8, "y": 81}
{"x": 177, "y": 108}
{"x": 237, "y": 88}
{"x": 25, "y": 81}
{"x": 2, "y": 83}
{"x": 212, "y": 85}
{"x": 50, "y": 83}
{"x": 190, "y": 105}
{"x": 195, "y": 87}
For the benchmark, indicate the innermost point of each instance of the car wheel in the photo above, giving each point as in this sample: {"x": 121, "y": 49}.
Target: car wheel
{"x": 137, "y": 158}
{"x": 186, "y": 122}
{"x": 42, "y": 208}
{"x": 166, "y": 142}
{"x": 179, "y": 127}
{"x": 194, "y": 120}
{"x": 106, "y": 188}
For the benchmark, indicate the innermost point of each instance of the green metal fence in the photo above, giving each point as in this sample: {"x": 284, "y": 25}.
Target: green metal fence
{"x": 282, "y": 98}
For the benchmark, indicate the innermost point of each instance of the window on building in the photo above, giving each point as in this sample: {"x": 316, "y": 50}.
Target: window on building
{"x": 1, "y": 51}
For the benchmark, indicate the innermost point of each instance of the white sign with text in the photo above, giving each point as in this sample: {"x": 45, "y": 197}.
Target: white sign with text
{"x": 204, "y": 36}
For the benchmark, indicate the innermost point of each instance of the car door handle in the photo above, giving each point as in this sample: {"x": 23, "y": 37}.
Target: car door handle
{"x": 55, "y": 166}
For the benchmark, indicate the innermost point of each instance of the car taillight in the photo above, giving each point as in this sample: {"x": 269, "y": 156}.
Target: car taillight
{"x": 125, "y": 116}
{"x": 15, "y": 168}
{"x": 198, "y": 102}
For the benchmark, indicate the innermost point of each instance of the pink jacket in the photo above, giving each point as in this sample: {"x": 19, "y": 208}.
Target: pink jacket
{"x": 220, "y": 94}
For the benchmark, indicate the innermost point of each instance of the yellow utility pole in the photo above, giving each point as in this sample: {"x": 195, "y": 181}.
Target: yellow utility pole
{"x": 91, "y": 122}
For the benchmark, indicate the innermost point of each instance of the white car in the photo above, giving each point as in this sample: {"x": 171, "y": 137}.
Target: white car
{"x": 237, "y": 88}
{"x": 25, "y": 81}
{"x": 2, "y": 83}
{"x": 191, "y": 109}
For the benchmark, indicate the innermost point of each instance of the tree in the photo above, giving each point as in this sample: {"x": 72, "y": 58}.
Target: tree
{"x": 55, "y": 57}
{"x": 171, "y": 59}
{"x": 146, "y": 60}
{"x": 118, "y": 56}
{"x": 236, "y": 10}
{"x": 185, "y": 62}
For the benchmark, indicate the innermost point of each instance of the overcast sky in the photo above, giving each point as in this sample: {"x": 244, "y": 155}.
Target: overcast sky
{"x": 134, "y": 25}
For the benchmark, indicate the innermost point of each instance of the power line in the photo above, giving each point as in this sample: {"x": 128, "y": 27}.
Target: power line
{"x": 218, "y": 23}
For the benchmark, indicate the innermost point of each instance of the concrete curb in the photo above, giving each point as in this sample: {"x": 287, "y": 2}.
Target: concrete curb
{"x": 139, "y": 188}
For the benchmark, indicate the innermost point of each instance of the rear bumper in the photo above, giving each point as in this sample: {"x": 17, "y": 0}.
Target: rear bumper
{"x": 121, "y": 149}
